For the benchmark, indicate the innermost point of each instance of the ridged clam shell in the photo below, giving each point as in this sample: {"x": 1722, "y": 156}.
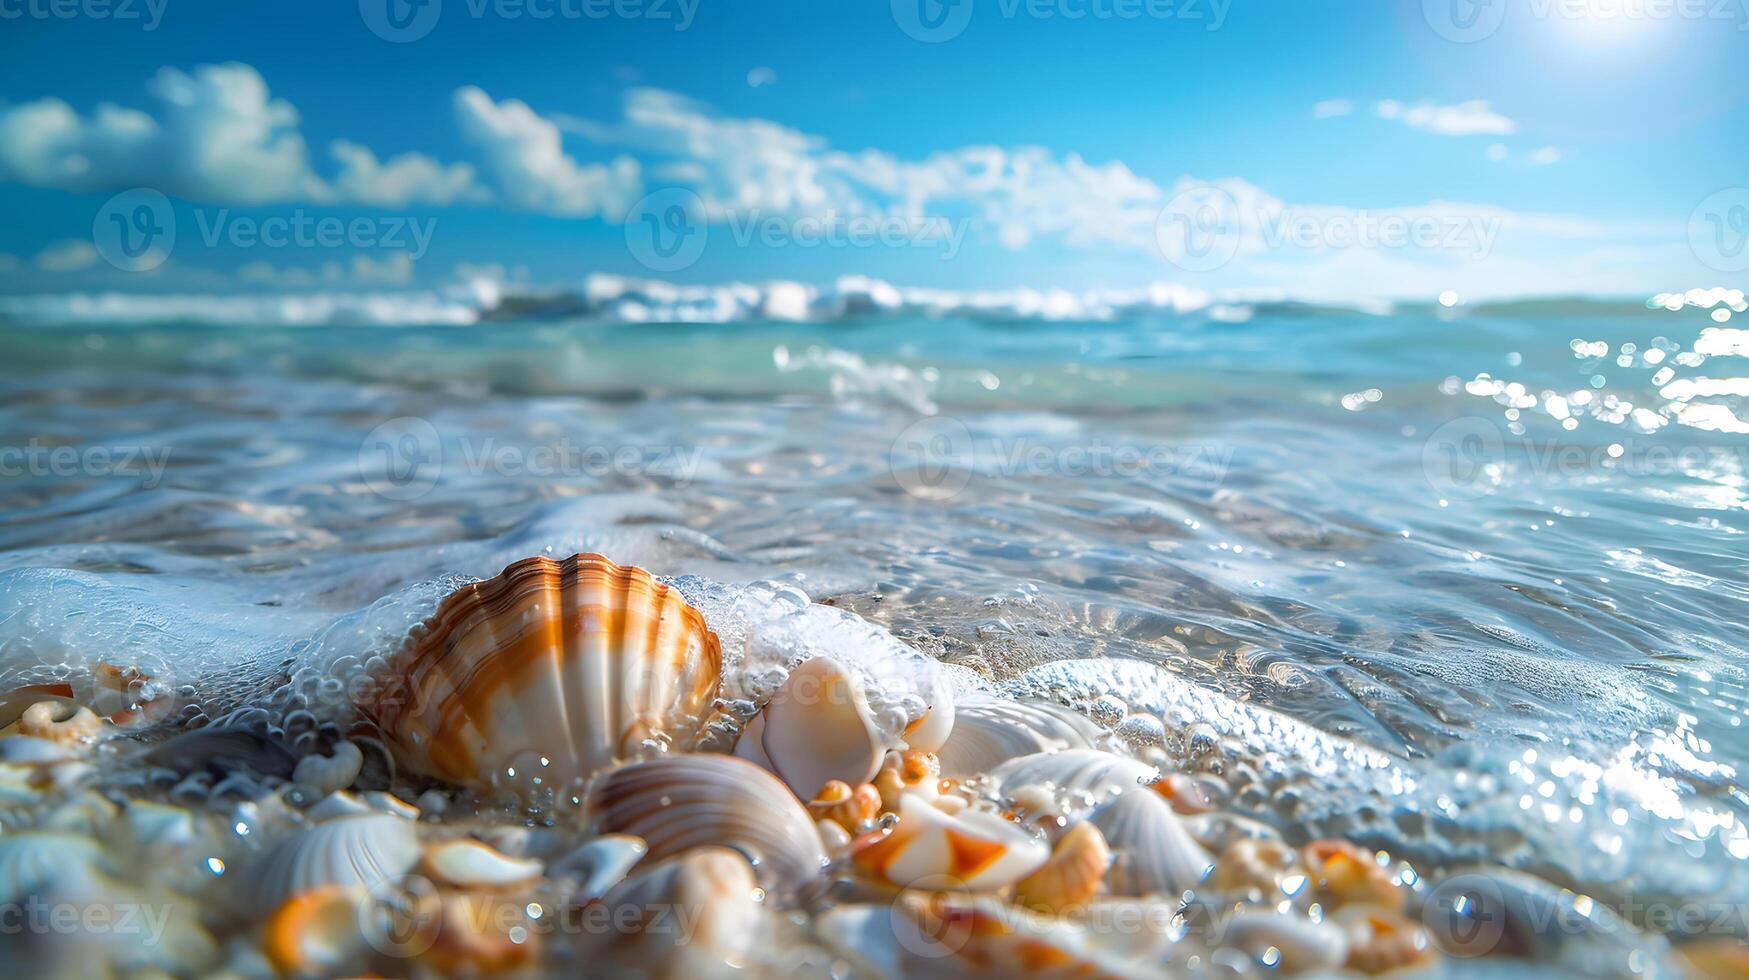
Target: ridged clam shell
{"x": 1071, "y": 877}
{"x": 679, "y": 802}
{"x": 1089, "y": 776}
{"x": 32, "y": 860}
{"x": 930, "y": 848}
{"x": 362, "y": 850}
{"x": 988, "y": 732}
{"x": 817, "y": 728}
{"x": 1155, "y": 852}
{"x": 576, "y": 662}
{"x": 713, "y": 888}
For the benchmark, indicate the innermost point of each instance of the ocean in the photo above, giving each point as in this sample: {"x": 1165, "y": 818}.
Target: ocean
{"x": 1500, "y": 546}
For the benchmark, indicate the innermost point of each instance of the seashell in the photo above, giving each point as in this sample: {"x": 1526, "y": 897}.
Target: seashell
{"x": 60, "y": 722}
{"x": 1253, "y": 866}
{"x": 22, "y": 750}
{"x": 1499, "y": 912}
{"x": 15, "y": 702}
{"x": 1382, "y": 939}
{"x": 988, "y": 732}
{"x": 327, "y": 773}
{"x": 851, "y": 809}
{"x": 1285, "y": 942}
{"x": 816, "y": 729}
{"x": 358, "y": 850}
{"x": 578, "y": 662}
{"x": 713, "y": 886}
{"x": 1086, "y": 777}
{"x": 833, "y": 836}
{"x": 1070, "y": 878}
{"x": 953, "y": 934}
{"x": 683, "y": 801}
{"x": 1155, "y": 853}
{"x": 478, "y": 935}
{"x": 1189, "y": 794}
{"x": 315, "y": 933}
{"x": 974, "y": 850}
{"x": 30, "y": 861}
{"x": 908, "y": 773}
{"x": 599, "y": 865}
{"x": 929, "y": 731}
{"x": 1343, "y": 872}
{"x": 468, "y": 863}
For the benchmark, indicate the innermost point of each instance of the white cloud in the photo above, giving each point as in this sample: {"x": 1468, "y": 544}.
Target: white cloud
{"x": 760, "y": 77}
{"x": 1464, "y": 119}
{"x": 1330, "y": 108}
{"x": 401, "y": 180}
{"x": 217, "y": 136}
{"x": 69, "y": 256}
{"x": 523, "y": 154}
{"x": 1545, "y": 156}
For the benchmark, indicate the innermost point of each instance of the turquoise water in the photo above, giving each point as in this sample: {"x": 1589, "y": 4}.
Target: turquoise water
{"x": 1472, "y": 539}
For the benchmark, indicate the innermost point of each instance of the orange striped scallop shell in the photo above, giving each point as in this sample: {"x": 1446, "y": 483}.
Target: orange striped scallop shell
{"x": 574, "y": 662}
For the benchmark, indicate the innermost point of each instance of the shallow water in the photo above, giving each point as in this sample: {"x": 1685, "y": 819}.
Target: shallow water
{"x": 1501, "y": 544}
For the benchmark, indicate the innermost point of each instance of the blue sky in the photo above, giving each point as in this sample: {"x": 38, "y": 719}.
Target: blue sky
{"x": 1344, "y": 149}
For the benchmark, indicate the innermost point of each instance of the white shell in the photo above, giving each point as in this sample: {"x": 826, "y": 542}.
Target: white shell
{"x": 817, "y": 727}
{"x": 930, "y": 730}
{"x": 1084, "y": 777}
{"x": 1290, "y": 942}
{"x": 713, "y": 888}
{"x": 599, "y": 865}
{"x": 328, "y": 773}
{"x": 472, "y": 864}
{"x": 990, "y": 731}
{"x": 362, "y": 850}
{"x": 930, "y": 848}
{"x": 683, "y": 801}
{"x": 1155, "y": 852}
